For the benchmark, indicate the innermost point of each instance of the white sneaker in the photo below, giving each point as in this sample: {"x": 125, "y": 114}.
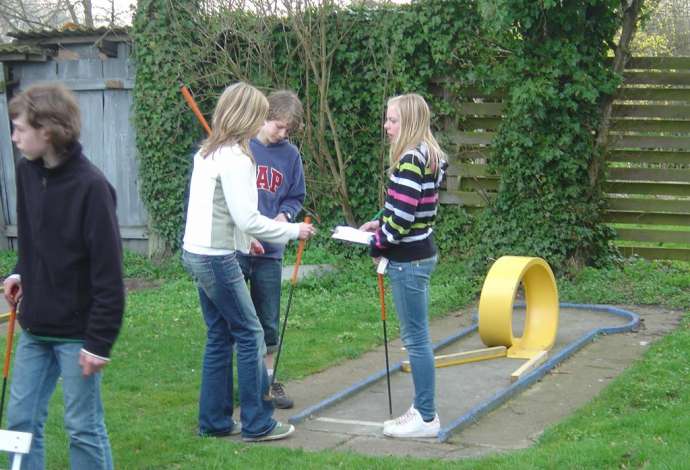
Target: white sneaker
{"x": 411, "y": 424}
{"x": 407, "y": 415}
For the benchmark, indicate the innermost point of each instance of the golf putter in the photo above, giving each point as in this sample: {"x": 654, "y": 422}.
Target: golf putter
{"x": 293, "y": 282}
{"x": 380, "y": 270}
{"x": 8, "y": 354}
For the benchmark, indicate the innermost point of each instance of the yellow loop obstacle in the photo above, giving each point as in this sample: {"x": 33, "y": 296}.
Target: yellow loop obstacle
{"x": 496, "y": 315}
{"x": 496, "y": 306}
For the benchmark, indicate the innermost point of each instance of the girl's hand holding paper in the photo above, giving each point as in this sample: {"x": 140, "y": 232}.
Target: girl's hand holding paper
{"x": 352, "y": 235}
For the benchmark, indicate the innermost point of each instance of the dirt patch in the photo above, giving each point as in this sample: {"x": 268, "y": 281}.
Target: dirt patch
{"x": 135, "y": 284}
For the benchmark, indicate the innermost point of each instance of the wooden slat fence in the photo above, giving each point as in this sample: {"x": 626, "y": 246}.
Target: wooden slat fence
{"x": 648, "y": 167}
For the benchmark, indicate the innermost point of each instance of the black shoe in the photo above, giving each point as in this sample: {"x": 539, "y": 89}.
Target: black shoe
{"x": 280, "y": 398}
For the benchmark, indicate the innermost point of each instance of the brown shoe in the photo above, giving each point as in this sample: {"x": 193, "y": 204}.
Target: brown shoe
{"x": 280, "y": 398}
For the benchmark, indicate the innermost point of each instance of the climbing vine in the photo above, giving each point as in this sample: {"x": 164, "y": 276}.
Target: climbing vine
{"x": 344, "y": 63}
{"x": 556, "y": 74}
{"x": 549, "y": 57}
{"x": 166, "y": 131}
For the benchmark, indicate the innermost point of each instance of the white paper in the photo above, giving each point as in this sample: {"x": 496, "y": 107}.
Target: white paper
{"x": 349, "y": 234}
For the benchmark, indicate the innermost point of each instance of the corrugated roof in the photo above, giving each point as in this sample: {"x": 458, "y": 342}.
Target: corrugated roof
{"x": 70, "y": 30}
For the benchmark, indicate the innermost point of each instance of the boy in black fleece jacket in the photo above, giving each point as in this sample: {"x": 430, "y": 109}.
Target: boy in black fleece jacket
{"x": 68, "y": 277}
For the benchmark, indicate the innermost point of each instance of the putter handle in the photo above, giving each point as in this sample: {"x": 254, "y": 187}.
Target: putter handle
{"x": 10, "y": 337}
{"x": 300, "y": 250}
{"x": 382, "y": 296}
{"x": 195, "y": 109}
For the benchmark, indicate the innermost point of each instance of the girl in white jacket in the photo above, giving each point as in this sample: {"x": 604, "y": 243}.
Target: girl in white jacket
{"x": 222, "y": 218}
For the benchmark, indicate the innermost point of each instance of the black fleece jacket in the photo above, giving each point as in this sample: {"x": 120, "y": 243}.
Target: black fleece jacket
{"x": 70, "y": 254}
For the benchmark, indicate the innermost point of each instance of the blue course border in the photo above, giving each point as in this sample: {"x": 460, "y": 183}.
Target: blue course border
{"x": 473, "y": 415}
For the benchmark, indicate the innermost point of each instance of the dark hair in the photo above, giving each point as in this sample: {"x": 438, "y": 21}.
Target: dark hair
{"x": 53, "y": 107}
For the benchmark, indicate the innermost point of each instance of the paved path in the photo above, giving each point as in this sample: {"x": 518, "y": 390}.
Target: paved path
{"x": 515, "y": 425}
{"x": 306, "y": 270}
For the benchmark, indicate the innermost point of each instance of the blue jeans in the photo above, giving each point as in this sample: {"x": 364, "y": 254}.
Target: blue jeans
{"x": 410, "y": 285}
{"x": 264, "y": 276}
{"x": 37, "y": 366}
{"x": 230, "y": 320}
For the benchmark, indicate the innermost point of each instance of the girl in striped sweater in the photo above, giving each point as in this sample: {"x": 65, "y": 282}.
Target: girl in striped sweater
{"x": 403, "y": 235}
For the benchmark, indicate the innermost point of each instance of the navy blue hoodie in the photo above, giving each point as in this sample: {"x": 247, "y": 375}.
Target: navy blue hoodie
{"x": 280, "y": 182}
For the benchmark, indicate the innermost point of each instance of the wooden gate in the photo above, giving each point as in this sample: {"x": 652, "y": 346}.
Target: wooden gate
{"x": 103, "y": 84}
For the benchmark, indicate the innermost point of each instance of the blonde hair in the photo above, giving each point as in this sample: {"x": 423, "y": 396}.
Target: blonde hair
{"x": 284, "y": 105}
{"x": 239, "y": 114}
{"x": 415, "y": 129}
{"x": 50, "y": 106}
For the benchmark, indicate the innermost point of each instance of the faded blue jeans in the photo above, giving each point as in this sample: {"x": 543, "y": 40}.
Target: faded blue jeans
{"x": 410, "y": 285}
{"x": 37, "y": 366}
{"x": 230, "y": 320}
{"x": 265, "y": 276}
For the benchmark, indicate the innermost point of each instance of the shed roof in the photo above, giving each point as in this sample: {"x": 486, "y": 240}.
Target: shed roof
{"x": 39, "y": 44}
{"x": 70, "y": 30}
{"x": 13, "y": 52}
{"x": 13, "y": 48}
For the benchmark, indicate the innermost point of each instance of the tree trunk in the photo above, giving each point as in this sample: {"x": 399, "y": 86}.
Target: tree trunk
{"x": 88, "y": 13}
{"x": 631, "y": 12}
{"x": 72, "y": 12}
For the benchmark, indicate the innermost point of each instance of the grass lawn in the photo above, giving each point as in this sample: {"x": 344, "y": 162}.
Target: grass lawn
{"x": 151, "y": 387}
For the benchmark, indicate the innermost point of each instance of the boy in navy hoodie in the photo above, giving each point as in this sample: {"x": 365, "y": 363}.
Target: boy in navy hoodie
{"x": 280, "y": 182}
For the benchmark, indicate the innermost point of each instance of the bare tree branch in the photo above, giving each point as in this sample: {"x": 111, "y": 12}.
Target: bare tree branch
{"x": 88, "y": 13}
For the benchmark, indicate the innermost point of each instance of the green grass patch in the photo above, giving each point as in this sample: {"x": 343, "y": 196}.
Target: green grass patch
{"x": 7, "y": 261}
{"x": 140, "y": 267}
{"x": 151, "y": 387}
{"x": 634, "y": 281}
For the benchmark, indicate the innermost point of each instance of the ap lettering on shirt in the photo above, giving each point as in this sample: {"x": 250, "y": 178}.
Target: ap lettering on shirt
{"x": 271, "y": 183}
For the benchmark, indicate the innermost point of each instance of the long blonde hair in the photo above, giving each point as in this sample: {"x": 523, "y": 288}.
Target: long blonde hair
{"x": 239, "y": 115}
{"x": 415, "y": 129}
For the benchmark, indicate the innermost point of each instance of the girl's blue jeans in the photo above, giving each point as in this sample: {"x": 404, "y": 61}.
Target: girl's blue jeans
{"x": 230, "y": 321}
{"x": 37, "y": 366}
{"x": 410, "y": 285}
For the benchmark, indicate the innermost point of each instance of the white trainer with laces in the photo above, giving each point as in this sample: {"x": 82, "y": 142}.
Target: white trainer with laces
{"x": 411, "y": 424}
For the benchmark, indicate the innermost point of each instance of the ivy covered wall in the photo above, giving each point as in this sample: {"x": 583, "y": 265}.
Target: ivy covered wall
{"x": 346, "y": 62}
{"x": 556, "y": 75}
